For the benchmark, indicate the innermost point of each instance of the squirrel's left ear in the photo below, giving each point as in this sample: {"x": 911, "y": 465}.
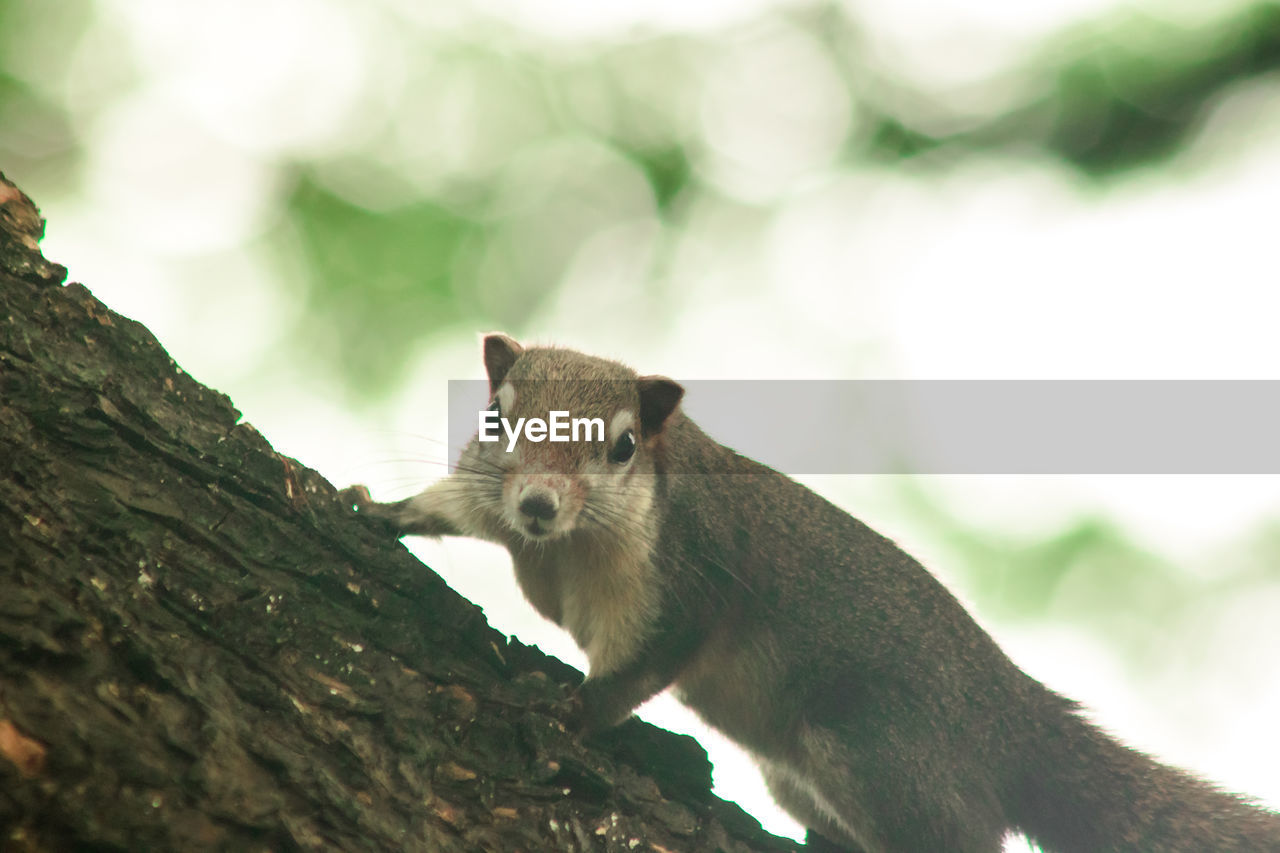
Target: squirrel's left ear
{"x": 500, "y": 352}
{"x": 659, "y": 397}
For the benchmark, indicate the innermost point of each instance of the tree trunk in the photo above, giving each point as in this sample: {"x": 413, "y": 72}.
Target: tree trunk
{"x": 202, "y": 649}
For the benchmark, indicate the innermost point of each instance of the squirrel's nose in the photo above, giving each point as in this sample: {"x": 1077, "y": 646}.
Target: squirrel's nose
{"x": 539, "y": 505}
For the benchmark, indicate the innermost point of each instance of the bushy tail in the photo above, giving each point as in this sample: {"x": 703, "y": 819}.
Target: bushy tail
{"x": 1079, "y": 791}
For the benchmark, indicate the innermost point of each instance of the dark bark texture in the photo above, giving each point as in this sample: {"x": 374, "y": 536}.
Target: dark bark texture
{"x": 202, "y": 649}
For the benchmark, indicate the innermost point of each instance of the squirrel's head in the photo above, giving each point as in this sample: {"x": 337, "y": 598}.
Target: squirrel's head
{"x": 573, "y": 438}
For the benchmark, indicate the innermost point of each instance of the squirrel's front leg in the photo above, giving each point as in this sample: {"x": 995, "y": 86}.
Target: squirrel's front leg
{"x": 432, "y": 512}
{"x": 605, "y": 700}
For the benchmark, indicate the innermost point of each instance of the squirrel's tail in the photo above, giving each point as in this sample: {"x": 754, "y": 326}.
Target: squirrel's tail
{"x": 1080, "y": 791}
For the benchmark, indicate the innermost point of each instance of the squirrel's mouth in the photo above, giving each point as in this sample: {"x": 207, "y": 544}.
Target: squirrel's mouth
{"x": 542, "y": 530}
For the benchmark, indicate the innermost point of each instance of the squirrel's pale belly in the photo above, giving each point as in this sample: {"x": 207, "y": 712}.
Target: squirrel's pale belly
{"x": 606, "y": 598}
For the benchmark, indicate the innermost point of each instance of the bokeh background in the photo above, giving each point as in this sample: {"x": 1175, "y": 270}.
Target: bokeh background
{"x": 317, "y": 204}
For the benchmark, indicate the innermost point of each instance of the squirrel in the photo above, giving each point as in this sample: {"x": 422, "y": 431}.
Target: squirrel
{"x": 883, "y": 718}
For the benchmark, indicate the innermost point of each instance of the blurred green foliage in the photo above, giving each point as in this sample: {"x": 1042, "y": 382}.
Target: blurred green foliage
{"x": 382, "y": 277}
{"x": 402, "y": 255}
{"x": 1134, "y": 98}
{"x": 1120, "y": 94}
{"x": 1092, "y": 573}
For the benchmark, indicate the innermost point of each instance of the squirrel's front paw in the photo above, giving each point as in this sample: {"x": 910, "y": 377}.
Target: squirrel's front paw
{"x": 576, "y": 717}
{"x": 591, "y": 710}
{"x": 357, "y": 498}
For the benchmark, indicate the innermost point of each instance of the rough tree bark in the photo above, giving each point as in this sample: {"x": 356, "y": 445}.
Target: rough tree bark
{"x": 200, "y": 649}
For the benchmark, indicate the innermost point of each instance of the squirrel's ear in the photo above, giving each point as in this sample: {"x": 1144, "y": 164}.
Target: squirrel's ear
{"x": 659, "y": 397}
{"x": 500, "y": 352}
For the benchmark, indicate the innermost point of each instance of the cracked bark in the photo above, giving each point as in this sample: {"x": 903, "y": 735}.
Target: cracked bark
{"x": 201, "y": 649}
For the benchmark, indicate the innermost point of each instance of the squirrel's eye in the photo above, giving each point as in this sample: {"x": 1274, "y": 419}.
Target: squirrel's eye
{"x": 495, "y": 407}
{"x": 624, "y": 448}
